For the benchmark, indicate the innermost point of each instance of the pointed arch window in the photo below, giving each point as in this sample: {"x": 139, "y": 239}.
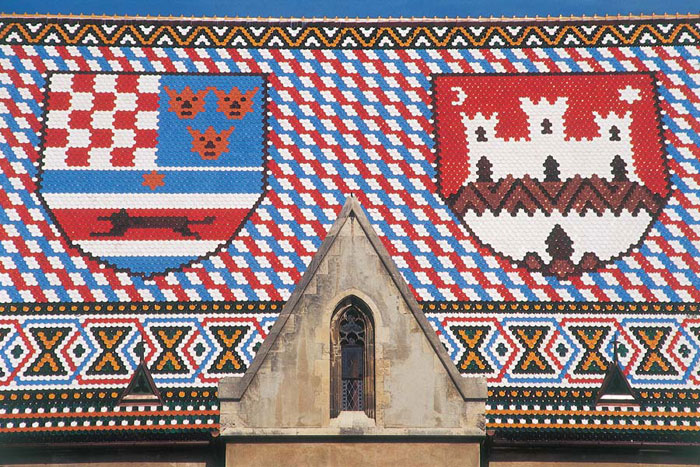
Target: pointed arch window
{"x": 352, "y": 358}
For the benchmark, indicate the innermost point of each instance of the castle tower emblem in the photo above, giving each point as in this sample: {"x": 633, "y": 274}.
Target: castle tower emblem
{"x": 561, "y": 174}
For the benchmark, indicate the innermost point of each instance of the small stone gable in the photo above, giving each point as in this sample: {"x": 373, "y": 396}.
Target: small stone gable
{"x": 287, "y": 389}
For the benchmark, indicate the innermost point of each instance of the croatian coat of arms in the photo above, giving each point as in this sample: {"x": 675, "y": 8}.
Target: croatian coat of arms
{"x": 149, "y": 172}
{"x": 558, "y": 173}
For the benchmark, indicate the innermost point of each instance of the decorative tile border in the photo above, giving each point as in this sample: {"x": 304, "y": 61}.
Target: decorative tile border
{"x": 82, "y": 414}
{"x": 186, "y": 345}
{"x": 348, "y": 34}
{"x": 195, "y": 344}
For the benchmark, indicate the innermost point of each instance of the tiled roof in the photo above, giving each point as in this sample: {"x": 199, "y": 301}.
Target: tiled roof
{"x": 84, "y": 415}
{"x": 165, "y": 183}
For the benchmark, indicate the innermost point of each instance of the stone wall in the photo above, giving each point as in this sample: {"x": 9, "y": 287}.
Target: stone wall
{"x": 353, "y": 454}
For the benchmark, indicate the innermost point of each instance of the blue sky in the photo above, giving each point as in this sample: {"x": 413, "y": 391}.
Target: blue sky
{"x": 361, "y": 8}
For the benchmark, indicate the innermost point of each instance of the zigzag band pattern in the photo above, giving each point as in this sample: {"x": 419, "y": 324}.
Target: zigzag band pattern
{"x": 346, "y": 35}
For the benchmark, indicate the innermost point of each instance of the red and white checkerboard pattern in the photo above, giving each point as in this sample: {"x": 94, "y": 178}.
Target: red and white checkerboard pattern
{"x": 101, "y": 121}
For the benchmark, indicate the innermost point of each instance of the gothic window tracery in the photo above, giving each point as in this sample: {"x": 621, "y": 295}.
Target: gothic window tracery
{"x": 352, "y": 351}
{"x": 352, "y": 359}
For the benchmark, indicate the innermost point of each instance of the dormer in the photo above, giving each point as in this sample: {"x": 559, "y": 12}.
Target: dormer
{"x": 352, "y": 354}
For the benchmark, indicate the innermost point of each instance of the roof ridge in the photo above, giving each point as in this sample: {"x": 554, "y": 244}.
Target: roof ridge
{"x": 359, "y": 20}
